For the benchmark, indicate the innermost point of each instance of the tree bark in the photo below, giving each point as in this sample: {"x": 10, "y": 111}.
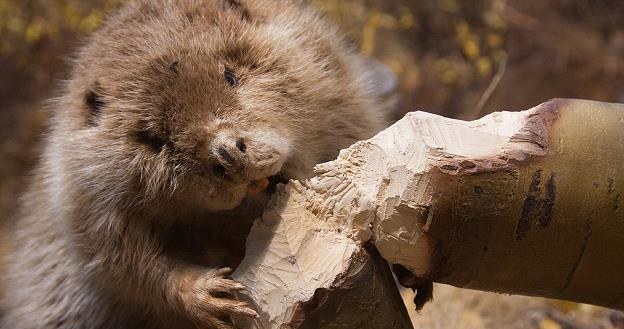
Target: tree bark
{"x": 523, "y": 203}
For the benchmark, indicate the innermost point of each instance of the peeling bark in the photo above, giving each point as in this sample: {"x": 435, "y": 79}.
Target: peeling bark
{"x": 524, "y": 203}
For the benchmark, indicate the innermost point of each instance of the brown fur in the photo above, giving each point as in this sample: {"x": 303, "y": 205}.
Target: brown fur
{"x": 173, "y": 108}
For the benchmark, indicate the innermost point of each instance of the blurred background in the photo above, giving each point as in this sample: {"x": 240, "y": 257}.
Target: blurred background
{"x": 461, "y": 59}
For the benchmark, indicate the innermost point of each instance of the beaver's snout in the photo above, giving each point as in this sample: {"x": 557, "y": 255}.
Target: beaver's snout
{"x": 230, "y": 155}
{"x": 248, "y": 156}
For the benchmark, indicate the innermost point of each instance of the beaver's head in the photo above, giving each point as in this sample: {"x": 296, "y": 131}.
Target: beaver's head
{"x": 202, "y": 101}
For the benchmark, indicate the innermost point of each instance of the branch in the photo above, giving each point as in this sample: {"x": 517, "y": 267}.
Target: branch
{"x": 523, "y": 203}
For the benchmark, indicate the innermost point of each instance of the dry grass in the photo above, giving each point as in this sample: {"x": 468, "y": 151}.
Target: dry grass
{"x": 467, "y": 309}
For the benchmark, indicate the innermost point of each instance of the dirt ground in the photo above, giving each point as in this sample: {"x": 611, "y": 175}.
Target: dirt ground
{"x": 461, "y": 59}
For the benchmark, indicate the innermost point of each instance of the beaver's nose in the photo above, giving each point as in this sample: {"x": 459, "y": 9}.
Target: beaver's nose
{"x": 229, "y": 153}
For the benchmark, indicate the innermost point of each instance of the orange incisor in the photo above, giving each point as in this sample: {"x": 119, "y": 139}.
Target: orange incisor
{"x": 257, "y": 186}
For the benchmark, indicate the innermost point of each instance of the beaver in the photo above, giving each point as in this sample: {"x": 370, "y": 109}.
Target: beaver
{"x": 176, "y": 116}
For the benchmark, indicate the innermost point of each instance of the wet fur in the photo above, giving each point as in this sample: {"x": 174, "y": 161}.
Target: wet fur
{"x": 135, "y": 205}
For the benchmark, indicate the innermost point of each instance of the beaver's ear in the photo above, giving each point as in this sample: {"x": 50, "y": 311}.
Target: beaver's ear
{"x": 95, "y": 104}
{"x": 236, "y": 6}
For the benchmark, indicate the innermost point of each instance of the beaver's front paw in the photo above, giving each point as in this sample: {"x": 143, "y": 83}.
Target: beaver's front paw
{"x": 209, "y": 300}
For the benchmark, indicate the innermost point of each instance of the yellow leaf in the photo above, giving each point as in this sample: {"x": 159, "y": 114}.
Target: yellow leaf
{"x": 449, "y": 76}
{"x": 91, "y": 22}
{"x": 407, "y": 20}
{"x": 369, "y": 33}
{"x": 494, "y": 40}
{"x": 33, "y": 32}
{"x": 463, "y": 30}
{"x": 387, "y": 21}
{"x": 484, "y": 66}
{"x": 471, "y": 49}
{"x": 450, "y": 6}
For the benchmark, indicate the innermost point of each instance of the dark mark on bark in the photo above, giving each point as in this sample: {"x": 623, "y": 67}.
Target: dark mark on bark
{"x": 549, "y": 201}
{"x": 449, "y": 167}
{"x": 530, "y": 204}
{"x": 610, "y": 185}
{"x": 610, "y": 190}
{"x": 588, "y": 234}
{"x": 478, "y": 189}
{"x": 526, "y": 135}
{"x": 538, "y": 206}
{"x": 467, "y": 164}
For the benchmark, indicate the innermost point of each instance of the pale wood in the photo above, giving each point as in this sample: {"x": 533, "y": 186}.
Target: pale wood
{"x": 516, "y": 202}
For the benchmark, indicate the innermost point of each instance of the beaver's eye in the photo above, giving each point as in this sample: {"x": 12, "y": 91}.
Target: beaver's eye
{"x": 174, "y": 66}
{"x": 95, "y": 104}
{"x": 230, "y": 77}
{"x": 154, "y": 142}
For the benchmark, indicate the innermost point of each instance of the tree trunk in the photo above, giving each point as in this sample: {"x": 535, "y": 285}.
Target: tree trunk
{"x": 301, "y": 274}
{"x": 523, "y": 203}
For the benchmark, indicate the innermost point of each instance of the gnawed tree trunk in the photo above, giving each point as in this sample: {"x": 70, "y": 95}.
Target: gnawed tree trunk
{"x": 302, "y": 274}
{"x": 524, "y": 203}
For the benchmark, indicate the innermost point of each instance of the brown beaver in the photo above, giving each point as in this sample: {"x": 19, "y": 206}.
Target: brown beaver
{"x": 174, "y": 111}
